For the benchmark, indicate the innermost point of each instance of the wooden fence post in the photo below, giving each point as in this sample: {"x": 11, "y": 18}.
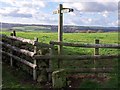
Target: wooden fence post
{"x": 34, "y": 60}
{"x": 11, "y": 59}
{"x": 96, "y": 51}
{"x": 14, "y": 33}
{"x": 50, "y": 63}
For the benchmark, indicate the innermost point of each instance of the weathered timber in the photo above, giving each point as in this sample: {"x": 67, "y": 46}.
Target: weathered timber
{"x": 19, "y": 39}
{"x": 59, "y": 78}
{"x": 50, "y": 62}
{"x": 117, "y": 46}
{"x": 38, "y": 44}
{"x": 26, "y": 52}
{"x": 19, "y": 59}
{"x": 35, "y": 43}
{"x": 87, "y": 70}
{"x": 60, "y": 29}
{"x": 60, "y": 11}
{"x": 34, "y": 60}
{"x": 11, "y": 60}
{"x": 91, "y": 70}
{"x": 35, "y": 47}
{"x": 76, "y": 57}
{"x": 96, "y": 51}
{"x": 22, "y": 40}
{"x": 14, "y": 33}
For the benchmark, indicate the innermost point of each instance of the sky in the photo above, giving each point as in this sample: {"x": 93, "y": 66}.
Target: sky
{"x": 86, "y": 13}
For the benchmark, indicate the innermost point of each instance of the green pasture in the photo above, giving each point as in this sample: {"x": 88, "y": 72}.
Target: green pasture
{"x": 105, "y": 38}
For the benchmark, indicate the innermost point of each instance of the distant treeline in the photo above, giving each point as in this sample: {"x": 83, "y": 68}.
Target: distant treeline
{"x": 54, "y": 28}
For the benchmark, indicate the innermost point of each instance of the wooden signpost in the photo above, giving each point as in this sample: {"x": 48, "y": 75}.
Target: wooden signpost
{"x": 60, "y": 11}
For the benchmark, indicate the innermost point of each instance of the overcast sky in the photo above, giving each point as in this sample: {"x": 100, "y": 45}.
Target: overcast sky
{"x": 94, "y": 13}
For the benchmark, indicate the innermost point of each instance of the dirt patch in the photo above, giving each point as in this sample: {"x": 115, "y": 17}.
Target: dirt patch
{"x": 75, "y": 81}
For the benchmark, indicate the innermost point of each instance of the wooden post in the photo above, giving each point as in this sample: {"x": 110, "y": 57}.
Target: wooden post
{"x": 11, "y": 59}
{"x": 60, "y": 29}
{"x": 60, "y": 32}
{"x": 96, "y": 52}
{"x": 14, "y": 33}
{"x": 34, "y": 60}
{"x": 60, "y": 11}
{"x": 50, "y": 64}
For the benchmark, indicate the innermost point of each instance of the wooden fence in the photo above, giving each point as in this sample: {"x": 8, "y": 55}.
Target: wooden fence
{"x": 8, "y": 42}
{"x": 9, "y": 47}
{"x": 94, "y": 57}
{"x": 96, "y": 47}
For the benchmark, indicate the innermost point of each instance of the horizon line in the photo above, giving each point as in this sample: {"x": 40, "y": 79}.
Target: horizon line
{"x": 57, "y": 25}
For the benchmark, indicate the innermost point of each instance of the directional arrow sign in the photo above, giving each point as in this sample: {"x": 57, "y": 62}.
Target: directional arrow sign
{"x": 56, "y": 12}
{"x": 66, "y": 10}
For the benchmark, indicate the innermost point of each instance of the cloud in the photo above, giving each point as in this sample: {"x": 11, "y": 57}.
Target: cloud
{"x": 25, "y": 3}
{"x": 93, "y": 6}
{"x": 105, "y": 14}
{"x": 39, "y": 3}
{"x": 46, "y": 18}
{"x": 7, "y": 10}
{"x": 114, "y": 23}
{"x": 15, "y": 12}
{"x": 102, "y": 12}
{"x": 8, "y": 1}
{"x": 19, "y": 15}
{"x": 80, "y": 0}
{"x": 40, "y": 12}
{"x": 92, "y": 19}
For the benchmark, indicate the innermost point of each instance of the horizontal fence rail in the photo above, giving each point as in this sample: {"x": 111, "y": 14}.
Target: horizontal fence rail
{"x": 26, "y": 52}
{"x": 38, "y": 44}
{"x": 22, "y": 40}
{"x": 86, "y": 70}
{"x": 19, "y": 59}
{"x": 19, "y": 39}
{"x": 75, "y": 57}
{"x": 86, "y": 45}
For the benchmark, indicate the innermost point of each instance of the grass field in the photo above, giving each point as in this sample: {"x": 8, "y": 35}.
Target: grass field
{"x": 106, "y": 38}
